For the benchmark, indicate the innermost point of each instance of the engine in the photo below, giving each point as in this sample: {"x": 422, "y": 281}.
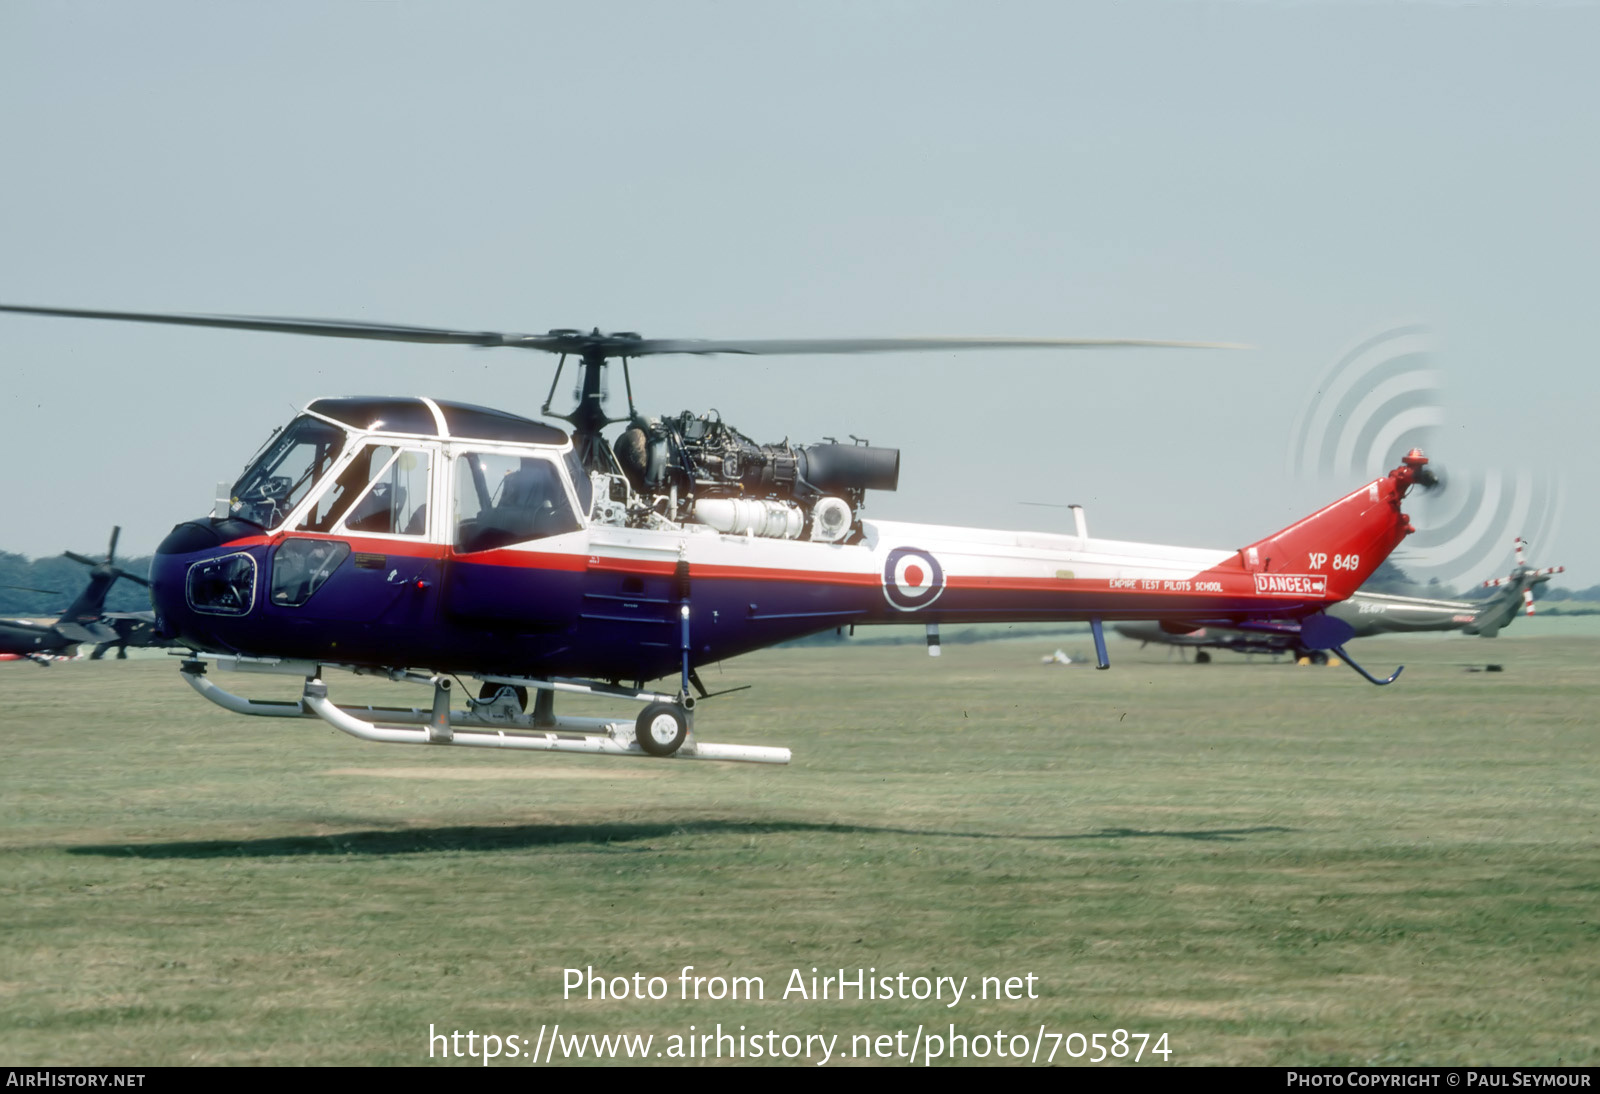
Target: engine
{"x": 703, "y": 469}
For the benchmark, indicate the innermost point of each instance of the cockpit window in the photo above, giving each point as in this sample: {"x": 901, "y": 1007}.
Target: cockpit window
{"x": 286, "y": 472}
{"x": 509, "y": 499}
{"x": 397, "y": 502}
{"x": 368, "y": 464}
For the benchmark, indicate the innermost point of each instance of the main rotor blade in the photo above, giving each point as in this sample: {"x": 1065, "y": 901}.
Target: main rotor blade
{"x": 595, "y": 344}
{"x": 773, "y": 346}
{"x": 76, "y": 557}
{"x": 327, "y": 328}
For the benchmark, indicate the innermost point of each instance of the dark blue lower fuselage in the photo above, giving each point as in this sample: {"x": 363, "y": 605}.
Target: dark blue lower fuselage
{"x": 419, "y": 605}
{"x": 451, "y": 613}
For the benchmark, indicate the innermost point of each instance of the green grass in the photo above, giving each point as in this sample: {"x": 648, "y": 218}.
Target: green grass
{"x": 1272, "y": 865}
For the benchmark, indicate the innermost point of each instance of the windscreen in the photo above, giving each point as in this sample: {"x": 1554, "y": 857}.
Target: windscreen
{"x": 285, "y": 473}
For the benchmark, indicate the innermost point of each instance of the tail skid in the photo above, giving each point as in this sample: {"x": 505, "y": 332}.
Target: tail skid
{"x": 1347, "y": 659}
{"x": 1325, "y": 632}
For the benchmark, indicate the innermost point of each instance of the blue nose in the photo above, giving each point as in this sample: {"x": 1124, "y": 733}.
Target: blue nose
{"x": 200, "y": 579}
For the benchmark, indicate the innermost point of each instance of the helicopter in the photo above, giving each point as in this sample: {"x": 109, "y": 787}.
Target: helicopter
{"x": 421, "y": 539}
{"x": 1369, "y": 614}
{"x": 85, "y": 620}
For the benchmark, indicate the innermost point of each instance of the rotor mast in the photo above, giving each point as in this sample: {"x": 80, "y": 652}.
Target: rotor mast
{"x": 588, "y": 418}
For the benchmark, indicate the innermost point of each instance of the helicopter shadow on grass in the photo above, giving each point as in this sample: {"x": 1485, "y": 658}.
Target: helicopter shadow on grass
{"x": 615, "y": 837}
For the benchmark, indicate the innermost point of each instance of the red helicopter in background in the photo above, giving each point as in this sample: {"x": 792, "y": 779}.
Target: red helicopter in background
{"x": 421, "y": 539}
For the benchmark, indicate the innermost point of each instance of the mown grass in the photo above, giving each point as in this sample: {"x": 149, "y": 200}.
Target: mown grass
{"x": 1270, "y": 864}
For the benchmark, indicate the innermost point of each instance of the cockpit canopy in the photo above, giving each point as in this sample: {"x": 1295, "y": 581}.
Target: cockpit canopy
{"x": 367, "y": 466}
{"x": 435, "y": 418}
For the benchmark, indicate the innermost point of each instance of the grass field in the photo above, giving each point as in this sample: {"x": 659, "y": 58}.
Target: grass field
{"x": 1269, "y": 864}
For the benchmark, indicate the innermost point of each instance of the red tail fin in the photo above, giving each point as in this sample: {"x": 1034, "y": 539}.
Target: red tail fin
{"x": 1330, "y": 553}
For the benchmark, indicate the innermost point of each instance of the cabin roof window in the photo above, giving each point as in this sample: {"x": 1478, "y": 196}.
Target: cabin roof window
{"x": 376, "y": 413}
{"x": 435, "y": 418}
{"x": 481, "y": 423}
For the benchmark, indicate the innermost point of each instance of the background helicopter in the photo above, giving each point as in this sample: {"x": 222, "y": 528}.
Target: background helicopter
{"x": 1369, "y": 614}
{"x": 86, "y": 620}
{"x": 385, "y": 534}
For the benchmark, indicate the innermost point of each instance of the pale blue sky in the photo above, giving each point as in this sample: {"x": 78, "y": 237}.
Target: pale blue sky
{"x": 1295, "y": 176}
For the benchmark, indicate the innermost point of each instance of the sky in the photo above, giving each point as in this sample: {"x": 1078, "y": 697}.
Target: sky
{"x": 1298, "y": 177}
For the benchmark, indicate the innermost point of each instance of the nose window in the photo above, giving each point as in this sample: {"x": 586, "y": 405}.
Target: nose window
{"x": 300, "y": 566}
{"x": 222, "y": 586}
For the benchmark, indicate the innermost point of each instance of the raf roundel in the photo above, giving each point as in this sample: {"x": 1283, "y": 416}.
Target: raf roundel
{"x": 912, "y": 578}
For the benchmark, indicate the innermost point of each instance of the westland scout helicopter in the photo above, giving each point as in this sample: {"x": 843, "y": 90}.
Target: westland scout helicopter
{"x": 420, "y": 539}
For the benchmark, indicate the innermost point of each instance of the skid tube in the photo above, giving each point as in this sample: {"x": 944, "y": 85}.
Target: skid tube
{"x": 489, "y": 723}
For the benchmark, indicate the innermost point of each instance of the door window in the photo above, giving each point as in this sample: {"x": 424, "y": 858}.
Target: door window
{"x": 396, "y": 501}
{"x": 360, "y": 473}
{"x": 503, "y": 499}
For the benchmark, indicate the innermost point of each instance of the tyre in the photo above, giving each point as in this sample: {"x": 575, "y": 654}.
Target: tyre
{"x": 661, "y": 729}
{"x": 1201, "y": 657}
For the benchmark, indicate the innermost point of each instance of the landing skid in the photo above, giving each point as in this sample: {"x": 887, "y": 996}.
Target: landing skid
{"x": 496, "y": 722}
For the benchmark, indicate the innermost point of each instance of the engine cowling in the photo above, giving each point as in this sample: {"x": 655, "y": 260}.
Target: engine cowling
{"x": 840, "y": 468}
{"x": 701, "y": 464}
{"x": 706, "y": 457}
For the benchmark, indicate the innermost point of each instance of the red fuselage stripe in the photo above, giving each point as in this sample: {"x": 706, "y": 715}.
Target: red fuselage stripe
{"x": 1232, "y": 584}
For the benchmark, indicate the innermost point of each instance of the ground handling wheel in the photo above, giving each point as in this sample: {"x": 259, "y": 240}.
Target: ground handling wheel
{"x": 490, "y": 691}
{"x": 1201, "y": 657}
{"x": 662, "y": 728}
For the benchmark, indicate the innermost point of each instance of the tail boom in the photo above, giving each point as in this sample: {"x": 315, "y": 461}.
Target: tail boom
{"x": 975, "y": 575}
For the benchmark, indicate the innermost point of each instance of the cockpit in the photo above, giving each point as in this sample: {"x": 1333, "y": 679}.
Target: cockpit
{"x": 416, "y": 468}
{"x": 478, "y": 479}
{"x": 364, "y": 511}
